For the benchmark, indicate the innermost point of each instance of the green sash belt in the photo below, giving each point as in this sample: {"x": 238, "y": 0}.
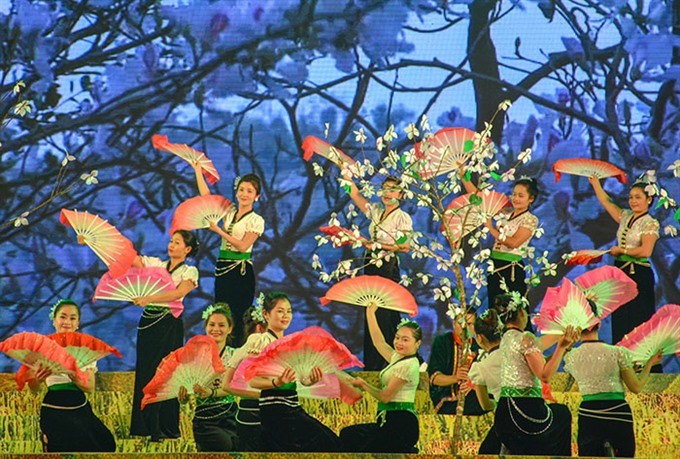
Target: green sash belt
{"x": 604, "y": 396}
{"x": 231, "y": 255}
{"x": 534, "y": 392}
{"x": 63, "y": 386}
{"x": 505, "y": 256}
{"x": 629, "y": 259}
{"x": 397, "y": 406}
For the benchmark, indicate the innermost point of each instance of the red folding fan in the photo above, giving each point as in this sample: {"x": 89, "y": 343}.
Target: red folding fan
{"x": 365, "y": 290}
{"x": 37, "y": 351}
{"x": 189, "y": 155}
{"x": 563, "y": 306}
{"x": 199, "y": 211}
{"x": 138, "y": 282}
{"x": 660, "y": 333}
{"x": 463, "y": 216}
{"x": 341, "y": 236}
{"x": 608, "y": 287}
{"x": 444, "y": 152}
{"x": 198, "y": 362}
{"x": 114, "y": 249}
{"x": 585, "y": 257}
{"x": 313, "y": 145}
{"x": 85, "y": 348}
{"x": 587, "y": 167}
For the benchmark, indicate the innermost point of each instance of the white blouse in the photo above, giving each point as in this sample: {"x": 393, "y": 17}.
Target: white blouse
{"x": 249, "y": 223}
{"x": 389, "y": 228}
{"x": 405, "y": 369}
{"x": 597, "y": 366}
{"x": 63, "y": 378}
{"x": 179, "y": 275}
{"x": 252, "y": 347}
{"x": 525, "y": 220}
{"x": 487, "y": 372}
{"x": 515, "y": 371}
{"x": 630, "y": 238}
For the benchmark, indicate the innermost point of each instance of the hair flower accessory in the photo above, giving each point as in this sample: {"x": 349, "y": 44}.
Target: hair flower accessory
{"x": 405, "y": 321}
{"x": 53, "y": 309}
{"x": 517, "y": 301}
{"x": 258, "y": 311}
{"x": 208, "y": 312}
{"x": 237, "y": 180}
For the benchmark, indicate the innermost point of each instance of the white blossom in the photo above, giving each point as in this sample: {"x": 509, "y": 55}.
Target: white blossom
{"x": 318, "y": 170}
{"x": 21, "y": 220}
{"x": 675, "y": 167}
{"x": 359, "y": 136}
{"x": 412, "y": 131}
{"x": 670, "y": 230}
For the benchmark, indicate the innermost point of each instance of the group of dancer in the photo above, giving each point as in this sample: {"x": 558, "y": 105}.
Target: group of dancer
{"x": 267, "y": 415}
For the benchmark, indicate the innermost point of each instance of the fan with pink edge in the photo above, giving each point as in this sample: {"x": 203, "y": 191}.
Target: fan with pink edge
{"x": 467, "y": 212}
{"x": 660, "y": 333}
{"x": 199, "y": 211}
{"x": 564, "y": 306}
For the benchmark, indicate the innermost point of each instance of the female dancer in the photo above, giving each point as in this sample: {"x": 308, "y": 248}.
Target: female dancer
{"x": 214, "y": 423}
{"x": 234, "y": 275}
{"x": 390, "y": 227}
{"x": 396, "y": 428}
{"x": 160, "y": 333}
{"x": 605, "y": 421}
{"x": 485, "y": 373}
{"x": 248, "y": 425}
{"x": 66, "y": 418}
{"x": 517, "y": 234}
{"x": 285, "y": 425}
{"x": 637, "y": 235}
{"x": 524, "y": 423}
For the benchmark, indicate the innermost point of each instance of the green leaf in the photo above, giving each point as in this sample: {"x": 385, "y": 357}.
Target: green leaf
{"x": 475, "y": 199}
{"x": 677, "y": 215}
{"x": 347, "y": 188}
{"x": 402, "y": 239}
{"x": 468, "y": 176}
{"x": 456, "y": 293}
{"x": 660, "y": 203}
{"x": 495, "y": 176}
{"x": 468, "y": 145}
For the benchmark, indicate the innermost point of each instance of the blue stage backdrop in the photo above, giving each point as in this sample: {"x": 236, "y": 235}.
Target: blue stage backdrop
{"x": 246, "y": 81}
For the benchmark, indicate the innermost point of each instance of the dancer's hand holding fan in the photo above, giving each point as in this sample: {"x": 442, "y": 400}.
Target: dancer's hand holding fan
{"x": 661, "y": 333}
{"x": 564, "y": 306}
{"x": 586, "y": 167}
{"x": 444, "y": 152}
{"x": 312, "y": 145}
{"x": 189, "y": 155}
{"x": 114, "y": 249}
{"x": 585, "y": 257}
{"x": 41, "y": 354}
{"x": 366, "y": 290}
{"x": 199, "y": 212}
{"x": 197, "y": 363}
{"x": 136, "y": 283}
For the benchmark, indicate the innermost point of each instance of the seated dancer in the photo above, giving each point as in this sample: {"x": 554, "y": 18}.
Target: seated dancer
{"x": 485, "y": 373}
{"x": 447, "y": 370}
{"x": 391, "y": 228}
{"x": 248, "y": 426}
{"x": 396, "y": 428}
{"x": 285, "y": 425}
{"x": 605, "y": 421}
{"x": 214, "y": 422}
{"x": 524, "y": 423}
{"x": 67, "y": 422}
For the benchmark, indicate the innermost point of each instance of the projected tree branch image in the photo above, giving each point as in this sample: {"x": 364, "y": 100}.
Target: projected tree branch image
{"x": 396, "y": 173}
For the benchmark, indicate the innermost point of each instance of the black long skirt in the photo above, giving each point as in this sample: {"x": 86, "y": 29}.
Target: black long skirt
{"x": 235, "y": 285}
{"x": 602, "y": 422}
{"x": 395, "y": 431}
{"x": 214, "y": 428}
{"x": 388, "y": 320}
{"x": 70, "y": 426}
{"x": 287, "y": 428}
{"x": 248, "y": 425}
{"x": 156, "y": 337}
{"x": 527, "y": 425}
{"x": 640, "y": 308}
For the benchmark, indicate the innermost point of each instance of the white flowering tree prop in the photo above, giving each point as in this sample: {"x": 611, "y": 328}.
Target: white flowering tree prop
{"x": 462, "y": 263}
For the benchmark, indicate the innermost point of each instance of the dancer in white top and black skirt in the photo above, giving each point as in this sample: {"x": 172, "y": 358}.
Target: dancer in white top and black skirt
{"x": 234, "y": 274}
{"x": 286, "y": 427}
{"x": 158, "y": 334}
{"x": 524, "y": 423}
{"x": 391, "y": 228}
{"x": 605, "y": 421}
{"x": 396, "y": 428}
{"x": 67, "y": 422}
{"x": 214, "y": 422}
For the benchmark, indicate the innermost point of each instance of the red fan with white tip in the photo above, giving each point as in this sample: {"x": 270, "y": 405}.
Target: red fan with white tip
{"x": 138, "y": 282}
{"x": 37, "y": 351}
{"x": 85, "y": 348}
{"x": 198, "y": 362}
{"x": 585, "y": 257}
{"x": 365, "y": 290}
{"x": 313, "y": 145}
{"x": 608, "y": 287}
{"x": 586, "y": 167}
{"x": 341, "y": 236}
{"x": 199, "y": 211}
{"x": 660, "y": 333}
{"x": 188, "y": 154}
{"x": 114, "y": 249}
{"x": 563, "y": 306}
{"x": 444, "y": 152}
{"x": 463, "y": 216}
